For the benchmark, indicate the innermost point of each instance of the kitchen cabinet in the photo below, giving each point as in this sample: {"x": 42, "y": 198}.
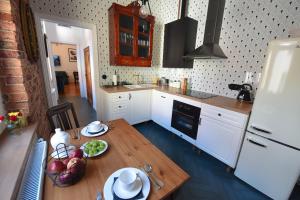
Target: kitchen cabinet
{"x": 130, "y": 36}
{"x": 140, "y": 106}
{"x": 220, "y": 133}
{"x": 134, "y": 106}
{"x": 162, "y": 105}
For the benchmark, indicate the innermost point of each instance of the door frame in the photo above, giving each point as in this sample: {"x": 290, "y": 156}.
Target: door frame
{"x": 94, "y": 62}
{"x": 84, "y": 61}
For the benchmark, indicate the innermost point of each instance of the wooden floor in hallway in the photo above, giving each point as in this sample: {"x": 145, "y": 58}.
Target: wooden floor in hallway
{"x": 71, "y": 89}
{"x": 84, "y": 111}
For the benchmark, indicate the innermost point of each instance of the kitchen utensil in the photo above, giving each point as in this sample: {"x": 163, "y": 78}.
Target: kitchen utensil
{"x": 99, "y": 196}
{"x": 85, "y": 133}
{"x": 108, "y": 192}
{"x": 148, "y": 168}
{"x": 131, "y": 190}
{"x": 244, "y": 91}
{"x": 97, "y": 154}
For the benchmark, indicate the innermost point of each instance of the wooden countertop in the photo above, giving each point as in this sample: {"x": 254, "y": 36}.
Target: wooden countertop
{"x": 219, "y": 101}
{"x": 127, "y": 148}
{"x": 14, "y": 151}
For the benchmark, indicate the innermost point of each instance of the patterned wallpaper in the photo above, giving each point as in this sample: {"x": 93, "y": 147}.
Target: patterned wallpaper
{"x": 247, "y": 28}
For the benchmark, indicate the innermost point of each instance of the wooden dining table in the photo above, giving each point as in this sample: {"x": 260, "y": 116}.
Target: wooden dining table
{"x": 127, "y": 148}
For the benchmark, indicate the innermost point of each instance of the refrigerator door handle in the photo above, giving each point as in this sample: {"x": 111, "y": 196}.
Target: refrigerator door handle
{"x": 260, "y": 129}
{"x": 256, "y": 143}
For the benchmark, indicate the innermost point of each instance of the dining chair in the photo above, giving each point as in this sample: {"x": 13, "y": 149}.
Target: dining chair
{"x": 59, "y": 117}
{"x": 76, "y": 78}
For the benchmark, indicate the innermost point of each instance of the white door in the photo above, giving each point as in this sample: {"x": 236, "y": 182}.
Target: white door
{"x": 219, "y": 139}
{"x": 140, "y": 106}
{"x": 276, "y": 109}
{"x": 270, "y": 167}
{"x": 162, "y": 106}
{"x": 47, "y": 63}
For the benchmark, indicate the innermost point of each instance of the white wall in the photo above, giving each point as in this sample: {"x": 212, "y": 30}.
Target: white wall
{"x": 81, "y": 38}
{"x": 2, "y": 112}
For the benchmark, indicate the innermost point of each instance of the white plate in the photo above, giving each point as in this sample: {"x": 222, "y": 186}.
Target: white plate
{"x": 125, "y": 194}
{"x": 62, "y": 153}
{"x": 85, "y": 133}
{"x": 97, "y": 154}
{"x": 107, "y": 190}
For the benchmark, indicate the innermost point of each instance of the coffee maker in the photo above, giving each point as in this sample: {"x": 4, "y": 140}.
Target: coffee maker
{"x": 245, "y": 91}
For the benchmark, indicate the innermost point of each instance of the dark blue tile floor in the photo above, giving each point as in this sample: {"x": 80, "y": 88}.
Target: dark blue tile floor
{"x": 209, "y": 179}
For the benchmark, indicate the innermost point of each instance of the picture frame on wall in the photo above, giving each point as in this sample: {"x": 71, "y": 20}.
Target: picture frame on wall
{"x": 56, "y": 60}
{"x": 72, "y": 55}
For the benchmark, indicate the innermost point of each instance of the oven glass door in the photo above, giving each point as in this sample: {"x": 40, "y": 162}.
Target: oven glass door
{"x": 186, "y": 122}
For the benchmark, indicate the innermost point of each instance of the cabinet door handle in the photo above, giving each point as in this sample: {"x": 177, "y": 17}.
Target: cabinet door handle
{"x": 256, "y": 143}
{"x": 163, "y": 97}
{"x": 219, "y": 114}
{"x": 199, "y": 123}
{"x": 261, "y": 129}
{"x": 129, "y": 96}
{"x": 120, "y": 97}
{"x": 120, "y": 106}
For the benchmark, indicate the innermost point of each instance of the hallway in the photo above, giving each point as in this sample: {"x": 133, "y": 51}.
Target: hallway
{"x": 84, "y": 111}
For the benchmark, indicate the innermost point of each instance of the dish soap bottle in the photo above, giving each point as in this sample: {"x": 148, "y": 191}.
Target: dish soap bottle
{"x": 60, "y": 137}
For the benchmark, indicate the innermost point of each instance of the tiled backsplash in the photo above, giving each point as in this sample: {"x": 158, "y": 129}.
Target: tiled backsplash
{"x": 247, "y": 28}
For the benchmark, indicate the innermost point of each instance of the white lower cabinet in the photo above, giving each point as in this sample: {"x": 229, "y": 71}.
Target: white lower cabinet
{"x": 220, "y": 132}
{"x": 140, "y": 106}
{"x": 134, "y": 107}
{"x": 162, "y": 106}
{"x": 220, "y": 140}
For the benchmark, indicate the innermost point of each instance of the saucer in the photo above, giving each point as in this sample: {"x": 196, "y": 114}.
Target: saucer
{"x": 126, "y": 194}
{"x": 108, "y": 190}
{"x": 85, "y": 132}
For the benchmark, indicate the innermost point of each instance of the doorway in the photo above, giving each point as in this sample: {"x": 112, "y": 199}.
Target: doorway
{"x": 84, "y": 39}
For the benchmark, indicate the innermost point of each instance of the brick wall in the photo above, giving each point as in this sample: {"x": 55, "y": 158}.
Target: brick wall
{"x": 21, "y": 82}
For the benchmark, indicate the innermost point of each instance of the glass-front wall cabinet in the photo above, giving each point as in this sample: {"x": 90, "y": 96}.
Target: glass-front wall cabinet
{"x": 131, "y": 37}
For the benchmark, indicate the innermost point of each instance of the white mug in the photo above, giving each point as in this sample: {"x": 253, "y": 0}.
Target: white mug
{"x": 94, "y": 126}
{"x": 127, "y": 179}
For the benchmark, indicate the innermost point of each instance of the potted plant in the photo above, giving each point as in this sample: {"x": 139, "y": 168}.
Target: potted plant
{"x": 13, "y": 120}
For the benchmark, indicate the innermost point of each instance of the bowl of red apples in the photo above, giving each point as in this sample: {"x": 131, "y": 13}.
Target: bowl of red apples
{"x": 67, "y": 167}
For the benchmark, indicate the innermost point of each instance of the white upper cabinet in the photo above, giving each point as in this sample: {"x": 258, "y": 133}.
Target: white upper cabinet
{"x": 162, "y": 105}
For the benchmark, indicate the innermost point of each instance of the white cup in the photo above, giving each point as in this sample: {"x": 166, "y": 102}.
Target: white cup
{"x": 127, "y": 179}
{"x": 94, "y": 126}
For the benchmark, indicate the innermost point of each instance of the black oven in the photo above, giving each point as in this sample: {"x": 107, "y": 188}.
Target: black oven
{"x": 185, "y": 118}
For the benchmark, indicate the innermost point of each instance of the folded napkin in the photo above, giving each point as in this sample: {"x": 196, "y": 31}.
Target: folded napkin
{"x": 138, "y": 196}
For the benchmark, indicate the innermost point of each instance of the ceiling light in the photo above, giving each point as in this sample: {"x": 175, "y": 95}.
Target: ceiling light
{"x": 144, "y": 11}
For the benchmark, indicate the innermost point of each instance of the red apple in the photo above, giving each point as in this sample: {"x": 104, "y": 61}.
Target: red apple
{"x": 56, "y": 166}
{"x": 72, "y": 162}
{"x": 66, "y": 177}
{"x": 66, "y": 161}
{"x": 77, "y": 153}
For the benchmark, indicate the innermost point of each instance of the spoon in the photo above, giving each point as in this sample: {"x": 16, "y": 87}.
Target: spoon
{"x": 148, "y": 168}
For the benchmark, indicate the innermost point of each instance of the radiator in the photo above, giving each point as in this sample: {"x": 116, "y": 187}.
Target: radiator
{"x": 33, "y": 178}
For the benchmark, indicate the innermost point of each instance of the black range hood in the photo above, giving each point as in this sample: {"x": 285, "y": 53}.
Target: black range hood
{"x": 179, "y": 40}
{"x": 211, "y": 48}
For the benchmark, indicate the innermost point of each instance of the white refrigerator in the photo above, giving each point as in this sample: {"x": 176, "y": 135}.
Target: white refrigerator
{"x": 270, "y": 156}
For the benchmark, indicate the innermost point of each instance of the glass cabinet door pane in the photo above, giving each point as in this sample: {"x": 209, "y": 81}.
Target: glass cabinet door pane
{"x": 143, "y": 38}
{"x": 126, "y": 35}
